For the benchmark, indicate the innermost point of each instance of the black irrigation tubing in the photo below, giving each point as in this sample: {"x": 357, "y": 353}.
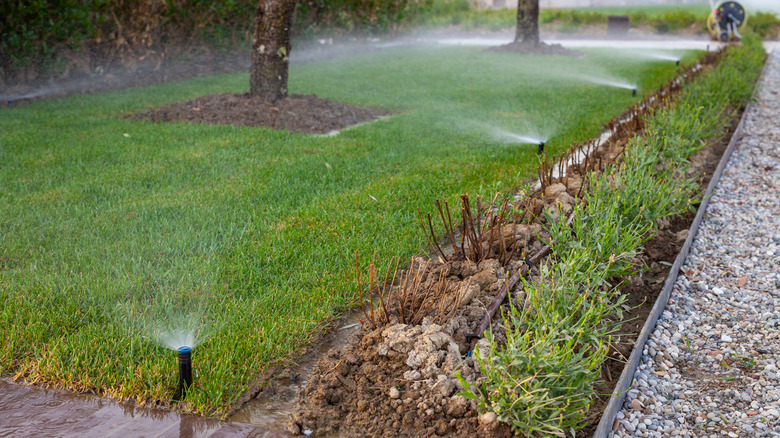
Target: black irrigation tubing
{"x": 472, "y": 339}
{"x": 627, "y": 376}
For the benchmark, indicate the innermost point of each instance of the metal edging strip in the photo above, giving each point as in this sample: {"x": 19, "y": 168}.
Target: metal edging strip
{"x": 627, "y": 376}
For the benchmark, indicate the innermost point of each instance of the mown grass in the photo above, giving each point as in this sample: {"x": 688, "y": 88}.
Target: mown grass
{"x": 113, "y": 229}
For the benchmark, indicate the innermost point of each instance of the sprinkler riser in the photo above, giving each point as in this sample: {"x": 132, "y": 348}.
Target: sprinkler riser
{"x": 633, "y": 92}
{"x": 540, "y": 149}
{"x": 185, "y": 371}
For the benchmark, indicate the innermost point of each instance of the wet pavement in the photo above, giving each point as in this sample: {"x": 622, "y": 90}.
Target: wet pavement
{"x": 31, "y": 412}
{"x": 273, "y": 408}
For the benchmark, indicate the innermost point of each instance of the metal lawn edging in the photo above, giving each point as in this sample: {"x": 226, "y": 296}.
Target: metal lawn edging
{"x": 627, "y": 376}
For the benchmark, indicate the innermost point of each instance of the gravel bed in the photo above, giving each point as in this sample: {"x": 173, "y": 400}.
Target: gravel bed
{"x": 710, "y": 367}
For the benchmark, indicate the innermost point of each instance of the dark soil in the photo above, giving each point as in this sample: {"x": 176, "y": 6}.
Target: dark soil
{"x": 536, "y": 49}
{"x": 295, "y": 113}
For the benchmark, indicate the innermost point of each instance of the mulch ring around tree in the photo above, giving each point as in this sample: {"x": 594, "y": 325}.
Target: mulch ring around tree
{"x": 307, "y": 114}
{"x": 539, "y": 48}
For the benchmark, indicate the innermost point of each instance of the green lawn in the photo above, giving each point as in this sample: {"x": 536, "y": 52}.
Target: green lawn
{"x": 112, "y": 228}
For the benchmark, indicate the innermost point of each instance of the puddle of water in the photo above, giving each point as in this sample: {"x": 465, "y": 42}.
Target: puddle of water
{"x": 33, "y": 412}
{"x": 272, "y": 409}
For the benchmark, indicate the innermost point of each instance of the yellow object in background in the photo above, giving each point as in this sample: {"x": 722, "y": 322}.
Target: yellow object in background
{"x": 726, "y": 20}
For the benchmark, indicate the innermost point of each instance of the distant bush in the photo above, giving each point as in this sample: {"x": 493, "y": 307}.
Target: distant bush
{"x": 670, "y": 21}
{"x": 38, "y": 28}
{"x": 33, "y": 31}
{"x": 371, "y": 16}
{"x": 574, "y": 17}
{"x": 764, "y": 24}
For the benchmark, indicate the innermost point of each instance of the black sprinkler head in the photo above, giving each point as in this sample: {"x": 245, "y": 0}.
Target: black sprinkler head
{"x": 185, "y": 372}
{"x": 633, "y": 92}
{"x": 678, "y": 62}
{"x": 540, "y": 149}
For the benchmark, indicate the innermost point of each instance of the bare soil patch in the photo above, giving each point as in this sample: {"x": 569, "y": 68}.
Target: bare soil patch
{"x": 295, "y": 113}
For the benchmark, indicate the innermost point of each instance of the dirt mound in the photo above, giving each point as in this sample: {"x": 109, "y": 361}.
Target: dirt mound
{"x": 536, "y": 49}
{"x": 395, "y": 382}
{"x": 295, "y": 113}
{"x": 398, "y": 376}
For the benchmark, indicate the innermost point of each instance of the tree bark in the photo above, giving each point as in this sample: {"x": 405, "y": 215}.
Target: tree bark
{"x": 527, "y": 22}
{"x": 271, "y": 49}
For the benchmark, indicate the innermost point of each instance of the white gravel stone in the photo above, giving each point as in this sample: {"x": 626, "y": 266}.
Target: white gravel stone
{"x": 710, "y": 366}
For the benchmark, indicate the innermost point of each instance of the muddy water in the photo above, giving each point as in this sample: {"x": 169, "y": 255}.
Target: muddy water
{"x": 272, "y": 408}
{"x": 33, "y": 412}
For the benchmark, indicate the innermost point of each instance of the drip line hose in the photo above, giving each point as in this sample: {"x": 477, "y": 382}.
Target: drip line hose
{"x": 472, "y": 339}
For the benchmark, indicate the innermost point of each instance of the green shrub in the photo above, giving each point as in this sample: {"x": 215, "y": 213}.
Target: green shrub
{"x": 37, "y": 28}
{"x": 672, "y": 21}
{"x": 764, "y": 24}
{"x": 32, "y": 32}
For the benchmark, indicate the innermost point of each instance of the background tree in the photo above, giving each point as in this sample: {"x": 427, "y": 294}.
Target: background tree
{"x": 271, "y": 49}
{"x": 527, "y": 31}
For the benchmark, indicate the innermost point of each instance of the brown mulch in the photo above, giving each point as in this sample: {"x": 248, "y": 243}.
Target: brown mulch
{"x": 536, "y": 49}
{"x": 295, "y": 113}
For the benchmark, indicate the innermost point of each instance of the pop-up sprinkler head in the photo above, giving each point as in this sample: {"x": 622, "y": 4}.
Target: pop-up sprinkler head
{"x": 185, "y": 372}
{"x": 633, "y": 92}
{"x": 677, "y": 62}
{"x": 540, "y": 149}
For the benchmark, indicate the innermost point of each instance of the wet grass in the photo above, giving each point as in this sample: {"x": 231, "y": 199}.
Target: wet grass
{"x": 111, "y": 229}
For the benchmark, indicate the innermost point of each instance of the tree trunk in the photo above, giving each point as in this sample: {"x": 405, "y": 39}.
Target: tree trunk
{"x": 271, "y": 49}
{"x": 527, "y": 22}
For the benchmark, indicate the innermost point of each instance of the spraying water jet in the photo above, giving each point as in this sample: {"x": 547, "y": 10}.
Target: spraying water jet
{"x": 511, "y": 137}
{"x": 608, "y": 82}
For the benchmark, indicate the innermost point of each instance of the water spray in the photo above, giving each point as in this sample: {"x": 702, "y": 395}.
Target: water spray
{"x": 185, "y": 372}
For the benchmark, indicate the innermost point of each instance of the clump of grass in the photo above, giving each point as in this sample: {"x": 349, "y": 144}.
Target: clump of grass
{"x": 541, "y": 380}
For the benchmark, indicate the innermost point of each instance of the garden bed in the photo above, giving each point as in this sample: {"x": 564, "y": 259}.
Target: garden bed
{"x": 405, "y": 374}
